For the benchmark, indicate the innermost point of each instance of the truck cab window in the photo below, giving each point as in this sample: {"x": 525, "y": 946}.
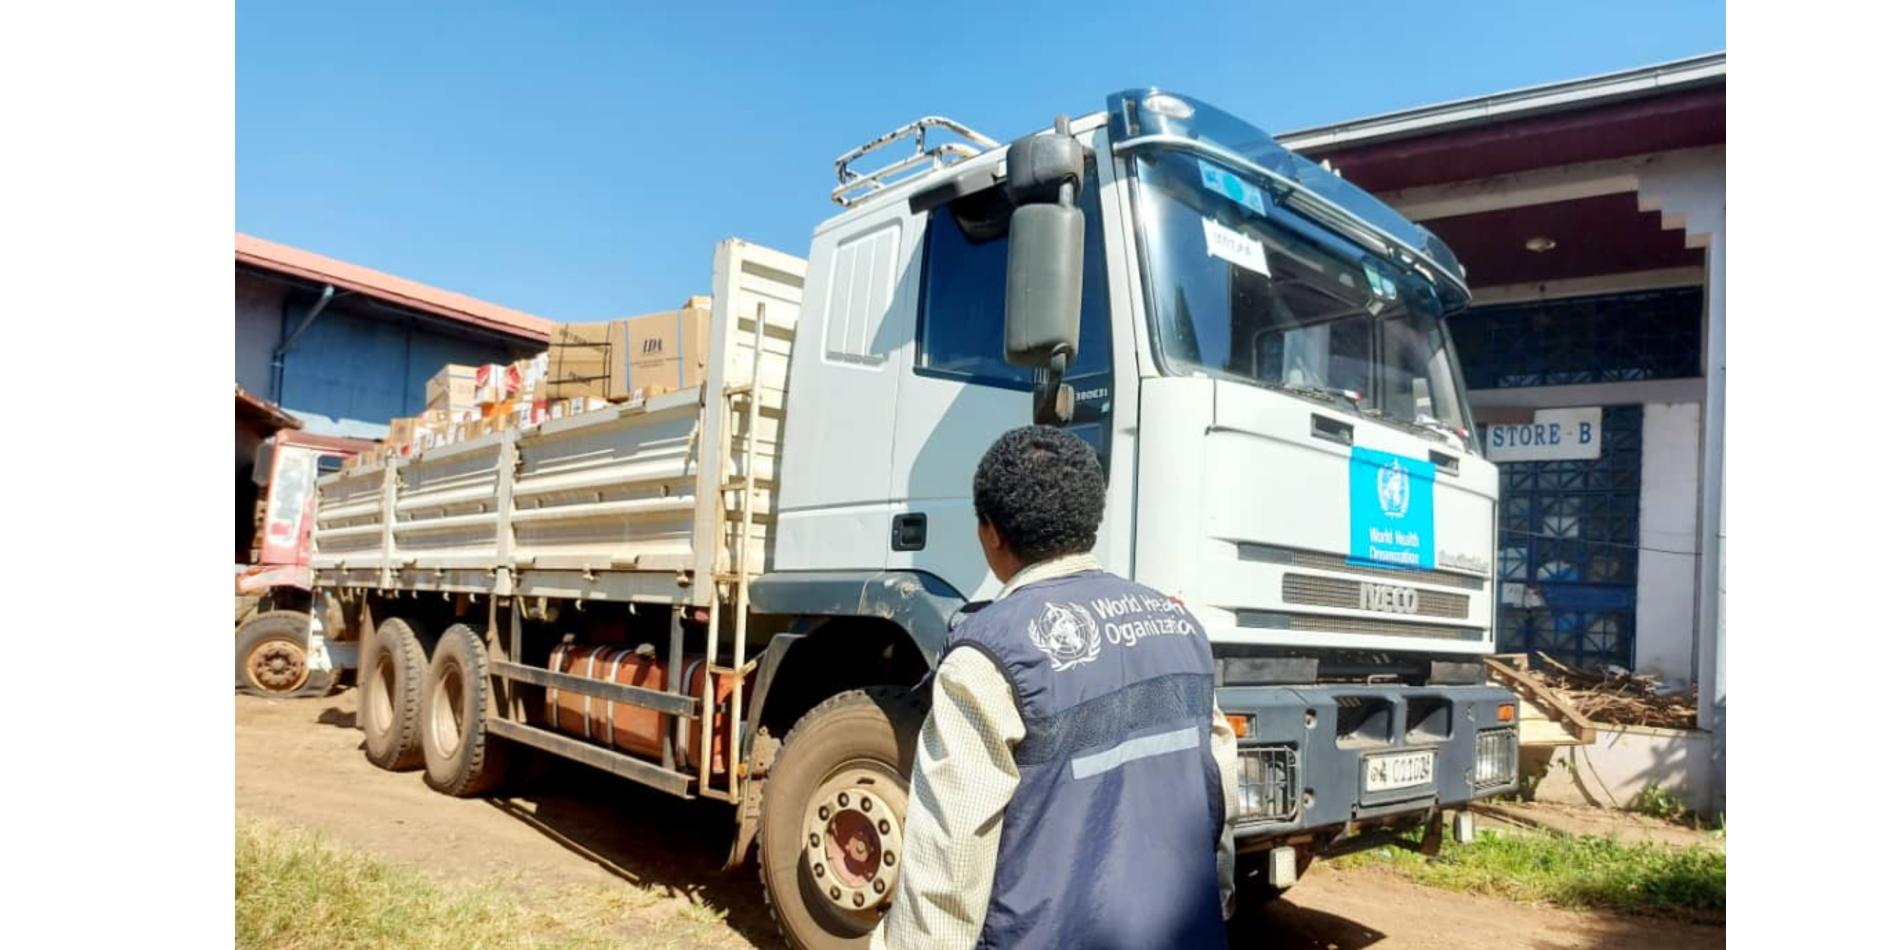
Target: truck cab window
{"x": 960, "y": 319}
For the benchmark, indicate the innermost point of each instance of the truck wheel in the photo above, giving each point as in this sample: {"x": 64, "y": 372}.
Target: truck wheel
{"x": 392, "y": 695}
{"x": 271, "y": 660}
{"x": 459, "y": 757}
{"x": 831, "y": 829}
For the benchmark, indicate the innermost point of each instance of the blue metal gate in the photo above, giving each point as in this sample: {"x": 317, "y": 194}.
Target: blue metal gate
{"x": 1567, "y": 550}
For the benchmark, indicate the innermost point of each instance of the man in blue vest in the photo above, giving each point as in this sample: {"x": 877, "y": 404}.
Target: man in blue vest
{"x": 1074, "y": 777}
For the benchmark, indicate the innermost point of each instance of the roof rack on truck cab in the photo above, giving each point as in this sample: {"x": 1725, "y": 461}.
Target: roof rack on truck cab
{"x": 854, "y": 185}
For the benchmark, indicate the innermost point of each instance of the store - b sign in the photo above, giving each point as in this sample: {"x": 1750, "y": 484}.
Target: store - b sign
{"x": 1551, "y": 435}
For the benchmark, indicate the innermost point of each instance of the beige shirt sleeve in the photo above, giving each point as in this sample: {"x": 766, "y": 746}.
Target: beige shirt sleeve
{"x": 1227, "y": 759}
{"x": 964, "y": 776}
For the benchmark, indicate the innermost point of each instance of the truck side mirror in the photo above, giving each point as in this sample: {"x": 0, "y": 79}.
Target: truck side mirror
{"x": 1042, "y": 301}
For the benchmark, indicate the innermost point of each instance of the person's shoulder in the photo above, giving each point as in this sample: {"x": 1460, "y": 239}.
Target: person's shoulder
{"x": 980, "y": 616}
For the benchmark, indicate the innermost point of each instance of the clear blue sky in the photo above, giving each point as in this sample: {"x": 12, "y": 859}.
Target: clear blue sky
{"x": 579, "y": 160}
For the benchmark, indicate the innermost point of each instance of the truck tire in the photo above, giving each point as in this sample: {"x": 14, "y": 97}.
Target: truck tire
{"x": 459, "y": 757}
{"x": 392, "y": 696}
{"x": 271, "y": 658}
{"x": 831, "y": 828}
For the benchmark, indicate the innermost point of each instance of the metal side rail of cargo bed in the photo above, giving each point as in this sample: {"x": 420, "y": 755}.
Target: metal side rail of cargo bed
{"x": 664, "y": 775}
{"x": 665, "y": 502}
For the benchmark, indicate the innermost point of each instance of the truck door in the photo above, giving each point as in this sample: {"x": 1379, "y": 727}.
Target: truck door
{"x": 287, "y": 513}
{"x": 957, "y": 394}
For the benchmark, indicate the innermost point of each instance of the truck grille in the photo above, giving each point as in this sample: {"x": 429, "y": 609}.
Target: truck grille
{"x": 1497, "y": 758}
{"x": 1304, "y": 623}
{"x": 1345, "y": 594}
{"x": 1269, "y": 783}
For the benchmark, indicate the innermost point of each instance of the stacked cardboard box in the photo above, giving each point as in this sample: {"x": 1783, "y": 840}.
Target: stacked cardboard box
{"x": 631, "y": 357}
{"x": 586, "y": 367}
{"x": 452, "y": 389}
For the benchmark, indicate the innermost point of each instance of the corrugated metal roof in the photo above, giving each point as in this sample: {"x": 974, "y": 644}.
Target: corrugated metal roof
{"x": 296, "y": 262}
{"x": 1516, "y": 103}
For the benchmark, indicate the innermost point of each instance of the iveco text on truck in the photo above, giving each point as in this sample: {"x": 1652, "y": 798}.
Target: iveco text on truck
{"x": 731, "y": 591}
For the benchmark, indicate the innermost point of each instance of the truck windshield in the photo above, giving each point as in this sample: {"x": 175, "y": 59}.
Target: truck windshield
{"x": 1239, "y": 289}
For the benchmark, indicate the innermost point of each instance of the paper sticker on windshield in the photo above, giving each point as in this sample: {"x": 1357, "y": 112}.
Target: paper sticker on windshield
{"x": 1238, "y": 190}
{"x": 1235, "y": 247}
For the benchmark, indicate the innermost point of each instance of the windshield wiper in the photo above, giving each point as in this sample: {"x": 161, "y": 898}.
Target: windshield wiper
{"x": 1441, "y": 428}
{"x": 1427, "y": 423}
{"x": 1333, "y": 394}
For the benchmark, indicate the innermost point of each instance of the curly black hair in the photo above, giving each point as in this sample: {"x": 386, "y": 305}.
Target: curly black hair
{"x": 1042, "y": 489}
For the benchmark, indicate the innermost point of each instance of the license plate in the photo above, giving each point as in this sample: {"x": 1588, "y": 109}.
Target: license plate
{"x": 1398, "y": 770}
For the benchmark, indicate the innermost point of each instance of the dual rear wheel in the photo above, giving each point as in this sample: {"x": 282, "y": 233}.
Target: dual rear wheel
{"x": 430, "y": 707}
{"x": 831, "y": 827}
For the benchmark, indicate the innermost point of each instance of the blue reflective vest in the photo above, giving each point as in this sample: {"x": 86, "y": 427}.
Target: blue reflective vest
{"x": 1110, "y": 838}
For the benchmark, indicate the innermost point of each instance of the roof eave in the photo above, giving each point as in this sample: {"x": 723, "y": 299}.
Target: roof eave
{"x": 257, "y": 253}
{"x": 1693, "y": 72}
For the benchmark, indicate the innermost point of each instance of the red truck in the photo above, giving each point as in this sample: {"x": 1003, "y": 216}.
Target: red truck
{"x": 274, "y": 623}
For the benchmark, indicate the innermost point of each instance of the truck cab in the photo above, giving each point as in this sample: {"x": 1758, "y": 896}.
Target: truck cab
{"x": 1263, "y": 368}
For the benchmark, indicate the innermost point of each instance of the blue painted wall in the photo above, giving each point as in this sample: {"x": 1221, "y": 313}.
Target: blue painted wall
{"x": 357, "y": 366}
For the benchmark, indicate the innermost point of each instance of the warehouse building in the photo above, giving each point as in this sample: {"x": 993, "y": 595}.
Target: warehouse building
{"x": 336, "y": 350}
{"x": 1590, "y": 216}
{"x": 344, "y": 348}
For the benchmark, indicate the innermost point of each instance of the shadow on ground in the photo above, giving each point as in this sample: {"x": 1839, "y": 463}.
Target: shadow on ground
{"x": 652, "y": 840}
{"x": 1284, "y": 924}
{"x": 674, "y": 849}
{"x": 644, "y": 837}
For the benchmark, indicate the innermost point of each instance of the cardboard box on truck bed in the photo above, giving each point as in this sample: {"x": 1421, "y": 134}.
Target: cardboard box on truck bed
{"x": 452, "y": 388}
{"x": 632, "y": 356}
{"x": 580, "y": 361}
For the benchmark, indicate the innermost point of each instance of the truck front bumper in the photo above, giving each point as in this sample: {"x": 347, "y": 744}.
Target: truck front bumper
{"x": 1320, "y": 762}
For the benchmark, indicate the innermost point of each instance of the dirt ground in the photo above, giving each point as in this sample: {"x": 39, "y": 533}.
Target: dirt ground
{"x": 575, "y": 830}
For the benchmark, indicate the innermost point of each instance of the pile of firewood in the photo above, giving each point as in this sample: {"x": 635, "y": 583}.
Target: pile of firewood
{"x": 1617, "y": 696}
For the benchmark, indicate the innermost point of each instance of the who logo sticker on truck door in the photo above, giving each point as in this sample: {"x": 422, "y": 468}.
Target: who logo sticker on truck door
{"x": 1391, "y": 499}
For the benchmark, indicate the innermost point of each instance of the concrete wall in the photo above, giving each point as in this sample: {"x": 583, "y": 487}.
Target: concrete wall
{"x": 1612, "y": 772}
{"x": 355, "y": 367}
{"x": 1666, "y": 567}
{"x": 1691, "y": 192}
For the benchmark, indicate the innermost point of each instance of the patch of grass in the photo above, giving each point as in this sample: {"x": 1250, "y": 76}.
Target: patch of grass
{"x": 296, "y": 890}
{"x": 1657, "y": 802}
{"x": 1582, "y": 871}
{"x": 700, "y": 913}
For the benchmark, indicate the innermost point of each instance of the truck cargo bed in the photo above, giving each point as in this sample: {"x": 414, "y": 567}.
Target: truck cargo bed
{"x": 640, "y": 501}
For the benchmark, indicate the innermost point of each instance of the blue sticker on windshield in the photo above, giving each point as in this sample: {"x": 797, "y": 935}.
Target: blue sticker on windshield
{"x": 1237, "y": 189}
{"x": 1379, "y": 284}
{"x": 1391, "y": 498}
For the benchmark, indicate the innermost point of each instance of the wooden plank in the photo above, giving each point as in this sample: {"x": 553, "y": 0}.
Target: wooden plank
{"x": 1575, "y": 723}
{"x": 1540, "y": 732}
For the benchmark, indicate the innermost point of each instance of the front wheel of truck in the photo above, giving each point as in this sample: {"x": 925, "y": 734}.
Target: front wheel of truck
{"x": 831, "y": 829}
{"x": 272, "y": 661}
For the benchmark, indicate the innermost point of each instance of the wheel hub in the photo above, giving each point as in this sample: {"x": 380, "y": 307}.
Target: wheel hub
{"x": 446, "y": 718}
{"x": 277, "y": 666}
{"x": 854, "y": 835}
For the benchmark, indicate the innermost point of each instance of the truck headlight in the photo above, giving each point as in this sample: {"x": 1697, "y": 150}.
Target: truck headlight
{"x": 1268, "y": 778}
{"x": 1497, "y": 758}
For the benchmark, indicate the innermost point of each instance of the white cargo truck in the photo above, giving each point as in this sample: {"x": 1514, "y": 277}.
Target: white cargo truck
{"x": 734, "y": 591}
